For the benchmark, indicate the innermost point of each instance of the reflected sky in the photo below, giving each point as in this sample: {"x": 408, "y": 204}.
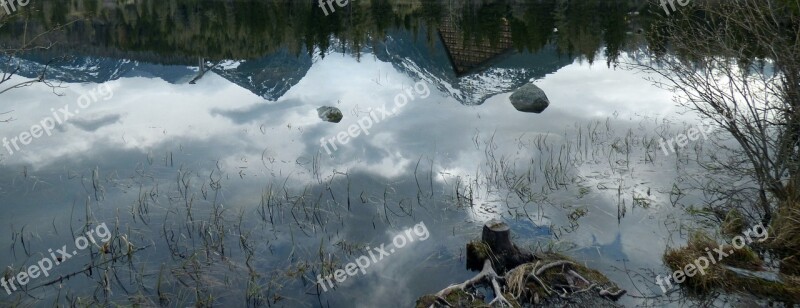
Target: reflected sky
{"x": 152, "y": 130}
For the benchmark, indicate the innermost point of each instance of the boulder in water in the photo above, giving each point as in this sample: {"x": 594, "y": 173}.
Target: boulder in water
{"x": 530, "y": 98}
{"x": 330, "y": 114}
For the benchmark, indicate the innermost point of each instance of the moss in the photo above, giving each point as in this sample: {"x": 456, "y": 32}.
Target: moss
{"x": 459, "y": 298}
{"x": 588, "y": 273}
{"x": 480, "y": 249}
{"x": 477, "y": 252}
{"x": 425, "y": 301}
{"x": 552, "y": 277}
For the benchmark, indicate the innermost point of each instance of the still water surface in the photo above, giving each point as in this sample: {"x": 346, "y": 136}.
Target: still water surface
{"x": 224, "y": 184}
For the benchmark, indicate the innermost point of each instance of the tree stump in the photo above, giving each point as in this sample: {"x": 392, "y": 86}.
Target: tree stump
{"x": 516, "y": 277}
{"x": 498, "y": 235}
{"x": 497, "y": 246}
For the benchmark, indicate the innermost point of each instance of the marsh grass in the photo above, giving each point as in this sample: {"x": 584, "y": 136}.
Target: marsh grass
{"x": 718, "y": 277}
{"x": 785, "y": 235}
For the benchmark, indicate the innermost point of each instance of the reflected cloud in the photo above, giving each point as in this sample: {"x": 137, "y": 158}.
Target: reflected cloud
{"x": 169, "y": 128}
{"x": 258, "y": 111}
{"x": 94, "y": 123}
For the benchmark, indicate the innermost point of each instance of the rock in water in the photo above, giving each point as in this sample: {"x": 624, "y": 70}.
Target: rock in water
{"x": 530, "y": 98}
{"x": 330, "y": 114}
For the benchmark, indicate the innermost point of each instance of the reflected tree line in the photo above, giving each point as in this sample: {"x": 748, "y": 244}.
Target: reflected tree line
{"x": 179, "y": 31}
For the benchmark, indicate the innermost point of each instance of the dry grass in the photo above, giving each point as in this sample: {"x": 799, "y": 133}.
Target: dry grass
{"x": 517, "y": 281}
{"x": 734, "y": 223}
{"x": 718, "y": 277}
{"x": 699, "y": 245}
{"x": 785, "y": 234}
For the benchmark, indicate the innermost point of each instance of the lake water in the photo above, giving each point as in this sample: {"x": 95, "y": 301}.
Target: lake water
{"x": 228, "y": 196}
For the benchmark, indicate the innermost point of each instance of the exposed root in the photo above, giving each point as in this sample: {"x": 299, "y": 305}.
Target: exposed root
{"x": 589, "y": 288}
{"x": 552, "y": 265}
{"x": 487, "y": 274}
{"x": 612, "y": 295}
{"x": 498, "y": 295}
{"x": 443, "y": 302}
{"x": 576, "y": 275}
{"x": 517, "y": 279}
{"x": 548, "y": 277}
{"x": 541, "y": 283}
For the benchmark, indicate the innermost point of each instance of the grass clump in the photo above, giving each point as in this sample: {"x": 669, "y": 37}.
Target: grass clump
{"x": 716, "y": 276}
{"x": 734, "y": 223}
{"x": 785, "y": 237}
{"x": 701, "y": 245}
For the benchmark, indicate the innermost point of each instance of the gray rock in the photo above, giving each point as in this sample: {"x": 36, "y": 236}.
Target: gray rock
{"x": 330, "y": 114}
{"x": 530, "y": 98}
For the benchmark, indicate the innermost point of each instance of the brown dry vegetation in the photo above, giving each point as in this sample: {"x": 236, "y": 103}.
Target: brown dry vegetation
{"x": 784, "y": 238}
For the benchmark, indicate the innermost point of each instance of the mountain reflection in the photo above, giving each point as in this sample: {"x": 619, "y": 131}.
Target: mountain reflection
{"x": 268, "y": 46}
